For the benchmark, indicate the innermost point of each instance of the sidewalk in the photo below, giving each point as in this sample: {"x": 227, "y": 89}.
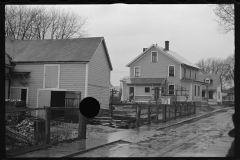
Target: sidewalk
{"x": 77, "y": 147}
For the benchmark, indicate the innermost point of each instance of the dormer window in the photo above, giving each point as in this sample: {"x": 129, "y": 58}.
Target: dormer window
{"x": 171, "y": 70}
{"x": 137, "y": 71}
{"x": 207, "y": 80}
{"x": 195, "y": 74}
{"x": 154, "y": 57}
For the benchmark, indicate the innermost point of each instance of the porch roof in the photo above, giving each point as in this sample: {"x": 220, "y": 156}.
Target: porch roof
{"x": 144, "y": 81}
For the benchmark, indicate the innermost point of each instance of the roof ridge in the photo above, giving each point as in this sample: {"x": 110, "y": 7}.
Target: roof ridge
{"x": 53, "y": 39}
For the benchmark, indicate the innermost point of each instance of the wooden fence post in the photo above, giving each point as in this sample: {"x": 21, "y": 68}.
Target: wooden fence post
{"x": 149, "y": 115}
{"x": 164, "y": 113}
{"x": 82, "y": 126}
{"x": 180, "y": 109}
{"x": 138, "y": 116}
{"x": 47, "y": 124}
{"x": 169, "y": 111}
{"x": 175, "y": 111}
{"x": 157, "y": 112}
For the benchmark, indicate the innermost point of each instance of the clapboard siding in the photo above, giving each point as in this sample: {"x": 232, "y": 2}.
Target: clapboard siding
{"x": 101, "y": 94}
{"x": 72, "y": 77}
{"x": 34, "y": 79}
{"x": 154, "y": 70}
{"x": 99, "y": 76}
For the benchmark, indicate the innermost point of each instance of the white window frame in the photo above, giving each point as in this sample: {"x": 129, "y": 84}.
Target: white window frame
{"x": 168, "y": 70}
{"x": 152, "y": 56}
{"x": 139, "y": 71}
{"x": 173, "y": 88}
{"x": 45, "y": 65}
{"x": 21, "y": 88}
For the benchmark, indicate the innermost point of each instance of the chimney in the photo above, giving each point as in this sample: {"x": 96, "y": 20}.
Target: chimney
{"x": 144, "y": 49}
{"x": 167, "y": 45}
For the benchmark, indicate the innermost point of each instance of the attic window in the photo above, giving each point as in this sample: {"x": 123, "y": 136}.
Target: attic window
{"x": 171, "y": 70}
{"x": 154, "y": 56}
{"x": 137, "y": 71}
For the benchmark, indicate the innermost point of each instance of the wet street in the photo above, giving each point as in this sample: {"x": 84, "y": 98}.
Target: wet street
{"x": 207, "y": 137}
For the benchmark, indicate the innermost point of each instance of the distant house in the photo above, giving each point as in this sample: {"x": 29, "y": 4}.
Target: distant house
{"x": 158, "y": 73}
{"x": 212, "y": 91}
{"x": 230, "y": 95}
{"x": 49, "y": 72}
{"x": 117, "y": 89}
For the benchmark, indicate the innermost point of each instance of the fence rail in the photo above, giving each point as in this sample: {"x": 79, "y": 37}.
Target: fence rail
{"x": 156, "y": 112}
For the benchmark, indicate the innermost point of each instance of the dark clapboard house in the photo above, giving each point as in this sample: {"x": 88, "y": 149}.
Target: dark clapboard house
{"x": 52, "y": 72}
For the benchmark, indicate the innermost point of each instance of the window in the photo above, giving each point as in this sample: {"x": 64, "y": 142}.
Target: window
{"x": 184, "y": 72}
{"x": 147, "y": 89}
{"x": 154, "y": 56}
{"x": 203, "y": 93}
{"x": 198, "y": 90}
{"x": 162, "y": 91}
{"x": 218, "y": 95}
{"x": 171, "y": 71}
{"x": 51, "y": 76}
{"x": 195, "y": 90}
{"x": 19, "y": 93}
{"x": 190, "y": 74}
{"x": 195, "y": 74}
{"x": 136, "y": 71}
{"x": 171, "y": 89}
{"x": 211, "y": 81}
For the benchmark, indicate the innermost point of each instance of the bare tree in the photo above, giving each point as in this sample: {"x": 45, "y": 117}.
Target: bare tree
{"x": 223, "y": 67}
{"x": 25, "y": 22}
{"x": 225, "y": 17}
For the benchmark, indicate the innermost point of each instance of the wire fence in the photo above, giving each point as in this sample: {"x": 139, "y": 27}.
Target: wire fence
{"x": 34, "y": 128}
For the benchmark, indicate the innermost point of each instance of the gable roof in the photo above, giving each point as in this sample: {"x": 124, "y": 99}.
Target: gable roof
{"x": 57, "y": 50}
{"x": 172, "y": 55}
{"x": 214, "y": 77}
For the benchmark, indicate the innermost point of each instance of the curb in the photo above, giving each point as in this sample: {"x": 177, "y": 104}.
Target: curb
{"x": 83, "y": 151}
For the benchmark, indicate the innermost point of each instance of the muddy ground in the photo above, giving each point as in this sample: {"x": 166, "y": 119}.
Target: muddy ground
{"x": 207, "y": 137}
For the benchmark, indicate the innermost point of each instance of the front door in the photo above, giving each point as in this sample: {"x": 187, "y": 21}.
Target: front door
{"x": 131, "y": 93}
{"x": 156, "y": 93}
{"x": 210, "y": 94}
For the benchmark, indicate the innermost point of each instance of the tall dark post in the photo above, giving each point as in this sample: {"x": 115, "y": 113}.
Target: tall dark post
{"x": 47, "y": 125}
{"x": 82, "y": 126}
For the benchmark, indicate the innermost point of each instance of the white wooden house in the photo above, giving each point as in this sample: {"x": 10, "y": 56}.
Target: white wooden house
{"x": 212, "y": 92}
{"x": 158, "y": 71}
{"x": 47, "y": 71}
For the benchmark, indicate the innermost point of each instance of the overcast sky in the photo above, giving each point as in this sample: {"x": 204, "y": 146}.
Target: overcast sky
{"x": 128, "y": 29}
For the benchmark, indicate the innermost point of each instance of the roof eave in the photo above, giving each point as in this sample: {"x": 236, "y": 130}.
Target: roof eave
{"x": 139, "y": 56}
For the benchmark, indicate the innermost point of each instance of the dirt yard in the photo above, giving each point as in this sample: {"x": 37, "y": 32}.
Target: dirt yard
{"x": 207, "y": 137}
